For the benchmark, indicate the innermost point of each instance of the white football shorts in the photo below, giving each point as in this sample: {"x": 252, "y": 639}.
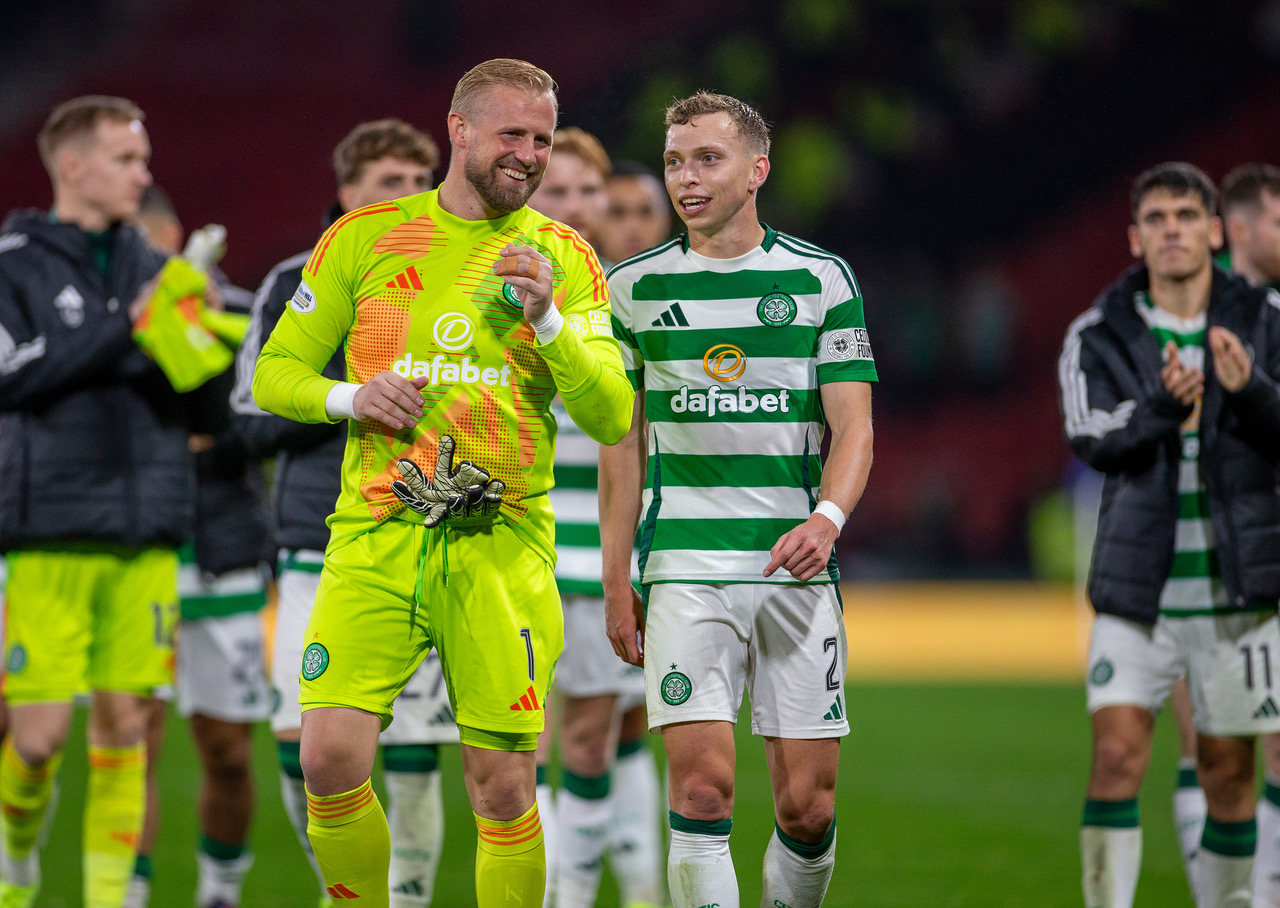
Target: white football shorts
{"x": 785, "y": 643}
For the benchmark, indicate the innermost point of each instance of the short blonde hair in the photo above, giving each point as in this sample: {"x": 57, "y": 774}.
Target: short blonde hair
{"x": 390, "y": 138}
{"x": 582, "y": 144}
{"x": 746, "y": 119}
{"x": 79, "y": 117}
{"x": 501, "y": 71}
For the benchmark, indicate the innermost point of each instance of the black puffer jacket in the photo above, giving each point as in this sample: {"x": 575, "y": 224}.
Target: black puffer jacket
{"x": 308, "y": 457}
{"x": 1121, "y": 421}
{"x": 93, "y": 440}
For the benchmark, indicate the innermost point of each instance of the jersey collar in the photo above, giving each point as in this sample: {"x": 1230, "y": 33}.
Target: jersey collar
{"x": 770, "y": 237}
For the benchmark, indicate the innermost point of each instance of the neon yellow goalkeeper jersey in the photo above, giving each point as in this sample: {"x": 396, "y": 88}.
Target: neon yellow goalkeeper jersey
{"x": 407, "y": 286}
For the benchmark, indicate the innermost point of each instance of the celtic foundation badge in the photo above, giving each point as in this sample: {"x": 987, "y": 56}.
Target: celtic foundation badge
{"x": 314, "y": 661}
{"x": 1102, "y": 672}
{"x": 509, "y": 294}
{"x": 676, "y": 688}
{"x": 776, "y": 309}
{"x": 17, "y": 660}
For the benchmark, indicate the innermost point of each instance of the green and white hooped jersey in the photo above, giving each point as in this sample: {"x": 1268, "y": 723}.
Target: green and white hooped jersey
{"x": 1195, "y": 584}
{"x": 731, "y": 355}
{"x": 231, "y": 593}
{"x": 575, "y": 499}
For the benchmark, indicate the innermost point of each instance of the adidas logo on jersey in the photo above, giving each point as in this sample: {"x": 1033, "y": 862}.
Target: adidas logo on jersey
{"x": 671, "y": 318}
{"x": 446, "y": 372}
{"x": 339, "y": 891}
{"x": 1268, "y": 710}
{"x": 718, "y": 400}
{"x": 406, "y": 280}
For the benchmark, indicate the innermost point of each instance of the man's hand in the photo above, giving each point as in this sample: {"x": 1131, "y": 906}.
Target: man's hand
{"x": 804, "y": 551}
{"x": 534, "y": 292}
{"x": 624, "y": 622}
{"x": 1185, "y": 385}
{"x": 1231, "y": 361}
{"x": 391, "y": 400}
{"x": 462, "y": 491}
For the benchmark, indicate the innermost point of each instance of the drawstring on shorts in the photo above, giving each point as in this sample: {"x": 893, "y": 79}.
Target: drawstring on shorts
{"x": 427, "y": 534}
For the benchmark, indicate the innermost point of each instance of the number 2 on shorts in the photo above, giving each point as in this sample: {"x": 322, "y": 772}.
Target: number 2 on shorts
{"x": 833, "y": 683}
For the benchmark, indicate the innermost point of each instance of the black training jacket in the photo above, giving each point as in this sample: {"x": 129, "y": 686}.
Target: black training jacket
{"x": 93, "y": 439}
{"x": 231, "y": 496}
{"x": 308, "y": 456}
{"x": 1121, "y": 421}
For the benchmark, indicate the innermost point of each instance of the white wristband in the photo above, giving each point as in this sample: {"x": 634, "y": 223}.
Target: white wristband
{"x": 340, "y": 402}
{"x": 548, "y": 325}
{"x": 830, "y": 510}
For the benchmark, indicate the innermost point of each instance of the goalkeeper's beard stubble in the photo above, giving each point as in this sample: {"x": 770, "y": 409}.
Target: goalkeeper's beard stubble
{"x": 496, "y": 189}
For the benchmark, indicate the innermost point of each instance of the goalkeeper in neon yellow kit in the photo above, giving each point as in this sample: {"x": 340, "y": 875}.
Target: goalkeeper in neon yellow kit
{"x": 442, "y": 535}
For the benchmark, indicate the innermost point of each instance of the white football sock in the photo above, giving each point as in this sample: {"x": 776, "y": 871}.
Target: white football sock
{"x": 1189, "y": 810}
{"x": 585, "y": 810}
{"x": 635, "y": 841}
{"x": 1266, "y": 862}
{"x": 294, "y": 793}
{"x": 1111, "y": 857}
{"x": 550, "y": 840}
{"x": 796, "y": 879}
{"x": 416, "y": 818}
{"x": 700, "y": 869}
{"x": 220, "y": 880}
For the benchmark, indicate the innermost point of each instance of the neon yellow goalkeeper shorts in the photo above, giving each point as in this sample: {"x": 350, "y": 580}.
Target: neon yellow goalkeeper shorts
{"x": 87, "y": 618}
{"x": 485, "y": 600}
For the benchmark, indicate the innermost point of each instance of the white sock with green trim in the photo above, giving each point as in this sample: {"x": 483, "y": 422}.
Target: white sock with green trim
{"x": 294, "y": 794}
{"x": 416, "y": 819}
{"x": 1266, "y": 862}
{"x": 585, "y": 810}
{"x": 550, "y": 834}
{"x": 1110, "y": 852}
{"x": 796, "y": 874}
{"x": 1189, "y": 810}
{"x": 699, "y": 866}
{"x": 1224, "y": 868}
{"x": 635, "y": 840}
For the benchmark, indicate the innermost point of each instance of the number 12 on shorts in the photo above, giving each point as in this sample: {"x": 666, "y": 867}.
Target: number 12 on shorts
{"x": 1263, "y": 661}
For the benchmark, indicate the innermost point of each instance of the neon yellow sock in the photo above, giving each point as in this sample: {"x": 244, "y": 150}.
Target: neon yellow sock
{"x": 511, "y": 863}
{"x": 113, "y": 813}
{"x": 24, "y": 796}
{"x": 352, "y": 844}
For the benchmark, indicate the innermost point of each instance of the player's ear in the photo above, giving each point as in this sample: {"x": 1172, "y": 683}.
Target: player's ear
{"x": 759, "y": 172}
{"x": 456, "y": 126}
{"x": 1215, "y": 233}
{"x": 1135, "y": 242}
{"x": 346, "y": 197}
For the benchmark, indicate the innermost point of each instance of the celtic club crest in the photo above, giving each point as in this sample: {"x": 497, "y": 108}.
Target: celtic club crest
{"x": 676, "y": 688}
{"x": 776, "y": 309}
{"x": 314, "y": 661}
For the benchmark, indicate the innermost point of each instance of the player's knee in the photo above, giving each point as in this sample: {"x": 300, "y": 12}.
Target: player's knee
{"x": 329, "y": 767}
{"x": 1223, "y": 776}
{"x": 226, "y": 758}
{"x": 586, "y": 756}
{"x": 1115, "y": 760}
{"x": 37, "y": 746}
{"x": 806, "y": 819}
{"x": 705, "y": 797}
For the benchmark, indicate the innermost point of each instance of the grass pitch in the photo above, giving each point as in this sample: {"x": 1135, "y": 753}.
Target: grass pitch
{"x": 950, "y": 795}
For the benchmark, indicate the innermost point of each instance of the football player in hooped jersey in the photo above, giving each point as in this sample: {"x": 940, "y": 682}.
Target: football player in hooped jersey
{"x": 462, "y": 312}
{"x": 745, "y": 345}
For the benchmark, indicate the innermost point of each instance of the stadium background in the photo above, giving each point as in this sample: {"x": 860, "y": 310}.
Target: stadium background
{"x": 970, "y": 158}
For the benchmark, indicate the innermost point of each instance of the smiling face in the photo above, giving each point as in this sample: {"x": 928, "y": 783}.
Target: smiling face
{"x": 711, "y": 175}
{"x": 506, "y": 143}
{"x": 1174, "y": 234}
